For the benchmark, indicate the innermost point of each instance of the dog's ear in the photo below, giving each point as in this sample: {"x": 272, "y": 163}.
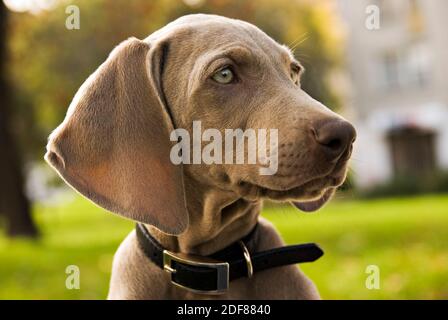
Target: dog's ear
{"x": 114, "y": 144}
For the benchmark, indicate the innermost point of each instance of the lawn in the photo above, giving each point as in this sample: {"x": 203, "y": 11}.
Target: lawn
{"x": 407, "y": 238}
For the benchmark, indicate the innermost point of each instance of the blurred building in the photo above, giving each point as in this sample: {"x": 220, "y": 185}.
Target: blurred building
{"x": 399, "y": 86}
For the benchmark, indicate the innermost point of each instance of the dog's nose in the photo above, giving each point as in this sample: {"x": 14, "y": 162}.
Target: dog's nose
{"x": 334, "y": 137}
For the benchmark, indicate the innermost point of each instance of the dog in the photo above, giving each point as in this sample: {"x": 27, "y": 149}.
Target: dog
{"x": 114, "y": 148}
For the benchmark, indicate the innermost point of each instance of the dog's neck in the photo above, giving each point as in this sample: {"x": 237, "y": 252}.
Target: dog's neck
{"x": 217, "y": 218}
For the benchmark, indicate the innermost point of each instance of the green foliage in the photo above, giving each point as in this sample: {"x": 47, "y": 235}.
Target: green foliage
{"x": 406, "y": 238}
{"x": 50, "y": 62}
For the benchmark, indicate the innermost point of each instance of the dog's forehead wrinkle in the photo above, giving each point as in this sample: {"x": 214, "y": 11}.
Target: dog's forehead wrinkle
{"x": 210, "y": 24}
{"x": 237, "y": 51}
{"x": 221, "y": 32}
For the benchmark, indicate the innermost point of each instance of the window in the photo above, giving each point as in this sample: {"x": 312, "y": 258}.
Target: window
{"x": 405, "y": 68}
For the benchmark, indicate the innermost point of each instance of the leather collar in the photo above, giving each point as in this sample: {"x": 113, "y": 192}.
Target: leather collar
{"x": 212, "y": 274}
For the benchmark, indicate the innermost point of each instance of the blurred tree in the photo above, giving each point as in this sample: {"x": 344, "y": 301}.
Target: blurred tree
{"x": 13, "y": 203}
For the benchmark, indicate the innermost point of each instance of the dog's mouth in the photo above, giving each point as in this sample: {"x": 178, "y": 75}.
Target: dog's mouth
{"x": 309, "y": 196}
{"x": 314, "y": 205}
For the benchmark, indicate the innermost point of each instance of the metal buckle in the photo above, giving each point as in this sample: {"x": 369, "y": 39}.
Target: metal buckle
{"x": 222, "y": 270}
{"x": 250, "y": 268}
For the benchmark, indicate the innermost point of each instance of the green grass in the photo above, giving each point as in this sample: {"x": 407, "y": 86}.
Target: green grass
{"x": 406, "y": 238}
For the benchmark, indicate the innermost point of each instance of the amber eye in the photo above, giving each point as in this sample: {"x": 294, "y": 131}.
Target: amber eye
{"x": 224, "y": 76}
{"x": 296, "y": 70}
{"x": 294, "y": 77}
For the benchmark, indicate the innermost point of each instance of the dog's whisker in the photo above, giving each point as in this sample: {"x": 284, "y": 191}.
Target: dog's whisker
{"x": 299, "y": 40}
{"x": 298, "y": 44}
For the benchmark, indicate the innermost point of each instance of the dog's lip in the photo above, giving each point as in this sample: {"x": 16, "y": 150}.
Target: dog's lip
{"x": 314, "y": 205}
{"x": 306, "y": 190}
{"x": 295, "y": 194}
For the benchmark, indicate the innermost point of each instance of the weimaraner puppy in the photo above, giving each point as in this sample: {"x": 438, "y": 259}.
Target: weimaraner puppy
{"x": 114, "y": 148}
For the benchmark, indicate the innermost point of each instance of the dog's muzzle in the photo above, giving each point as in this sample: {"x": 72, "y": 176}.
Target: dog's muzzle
{"x": 212, "y": 274}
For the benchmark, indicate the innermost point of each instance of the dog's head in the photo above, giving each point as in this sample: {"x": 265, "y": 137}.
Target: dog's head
{"x": 114, "y": 144}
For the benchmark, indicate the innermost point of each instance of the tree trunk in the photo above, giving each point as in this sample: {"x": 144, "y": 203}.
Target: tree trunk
{"x": 14, "y": 205}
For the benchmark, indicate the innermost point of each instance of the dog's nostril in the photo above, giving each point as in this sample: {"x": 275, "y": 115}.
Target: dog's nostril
{"x": 334, "y": 144}
{"x": 334, "y": 137}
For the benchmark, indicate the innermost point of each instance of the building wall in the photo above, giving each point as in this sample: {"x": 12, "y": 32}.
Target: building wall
{"x": 418, "y": 40}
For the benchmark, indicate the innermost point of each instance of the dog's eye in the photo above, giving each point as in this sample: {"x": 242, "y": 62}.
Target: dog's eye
{"x": 224, "y": 76}
{"x": 294, "y": 77}
{"x": 296, "y": 71}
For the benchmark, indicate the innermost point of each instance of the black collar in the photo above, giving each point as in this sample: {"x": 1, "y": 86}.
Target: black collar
{"x": 212, "y": 274}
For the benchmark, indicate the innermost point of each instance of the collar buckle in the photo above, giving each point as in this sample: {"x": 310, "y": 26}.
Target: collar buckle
{"x": 246, "y": 254}
{"x": 220, "y": 269}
